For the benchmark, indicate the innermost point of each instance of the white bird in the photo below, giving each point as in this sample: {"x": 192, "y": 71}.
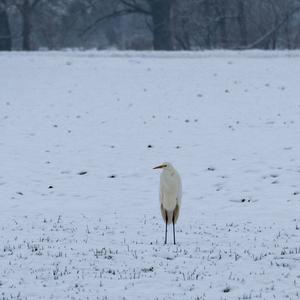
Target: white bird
{"x": 170, "y": 193}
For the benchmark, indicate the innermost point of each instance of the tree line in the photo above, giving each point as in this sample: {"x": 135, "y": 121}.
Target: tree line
{"x": 149, "y": 24}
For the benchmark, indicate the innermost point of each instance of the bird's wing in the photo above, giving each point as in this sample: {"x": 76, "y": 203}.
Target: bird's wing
{"x": 160, "y": 194}
{"x": 163, "y": 213}
{"x": 179, "y": 192}
{"x": 176, "y": 213}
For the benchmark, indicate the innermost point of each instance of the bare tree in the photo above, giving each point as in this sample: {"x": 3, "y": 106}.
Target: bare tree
{"x": 221, "y": 8}
{"x": 160, "y": 13}
{"x": 242, "y": 22}
{"x": 5, "y": 34}
{"x": 150, "y": 24}
{"x": 271, "y": 36}
{"x": 26, "y": 9}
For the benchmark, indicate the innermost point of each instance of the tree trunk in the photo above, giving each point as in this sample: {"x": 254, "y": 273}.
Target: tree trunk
{"x": 221, "y": 12}
{"x": 242, "y": 23}
{"x": 274, "y": 36}
{"x": 287, "y": 35}
{"x": 27, "y": 25}
{"x": 161, "y": 13}
{"x": 5, "y": 35}
{"x": 207, "y": 15}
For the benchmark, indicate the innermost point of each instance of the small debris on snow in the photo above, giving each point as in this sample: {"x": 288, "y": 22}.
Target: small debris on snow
{"x": 227, "y": 290}
{"x": 146, "y": 270}
{"x": 82, "y": 173}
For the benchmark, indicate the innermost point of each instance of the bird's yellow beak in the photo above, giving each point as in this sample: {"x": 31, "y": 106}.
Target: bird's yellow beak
{"x": 159, "y": 167}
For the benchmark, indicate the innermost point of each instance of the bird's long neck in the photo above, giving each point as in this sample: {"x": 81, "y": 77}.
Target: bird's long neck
{"x": 171, "y": 172}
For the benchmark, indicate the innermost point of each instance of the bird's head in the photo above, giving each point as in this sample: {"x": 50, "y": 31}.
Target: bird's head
{"x": 165, "y": 166}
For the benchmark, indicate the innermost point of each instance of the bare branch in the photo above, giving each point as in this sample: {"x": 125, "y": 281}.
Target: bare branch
{"x": 131, "y": 8}
{"x": 35, "y": 2}
{"x": 134, "y": 6}
{"x": 272, "y": 31}
{"x": 114, "y": 14}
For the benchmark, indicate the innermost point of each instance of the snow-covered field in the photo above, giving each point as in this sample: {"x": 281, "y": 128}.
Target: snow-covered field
{"x": 79, "y": 135}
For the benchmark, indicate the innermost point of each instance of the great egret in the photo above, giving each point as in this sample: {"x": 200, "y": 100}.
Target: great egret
{"x": 170, "y": 193}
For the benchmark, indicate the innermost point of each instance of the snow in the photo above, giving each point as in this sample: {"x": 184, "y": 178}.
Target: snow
{"x": 80, "y": 133}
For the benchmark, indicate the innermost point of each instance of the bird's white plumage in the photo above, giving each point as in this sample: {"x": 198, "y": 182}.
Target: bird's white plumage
{"x": 170, "y": 188}
{"x": 170, "y": 193}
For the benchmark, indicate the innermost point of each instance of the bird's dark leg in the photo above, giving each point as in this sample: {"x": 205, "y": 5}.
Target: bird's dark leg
{"x": 166, "y": 227}
{"x": 174, "y": 230}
